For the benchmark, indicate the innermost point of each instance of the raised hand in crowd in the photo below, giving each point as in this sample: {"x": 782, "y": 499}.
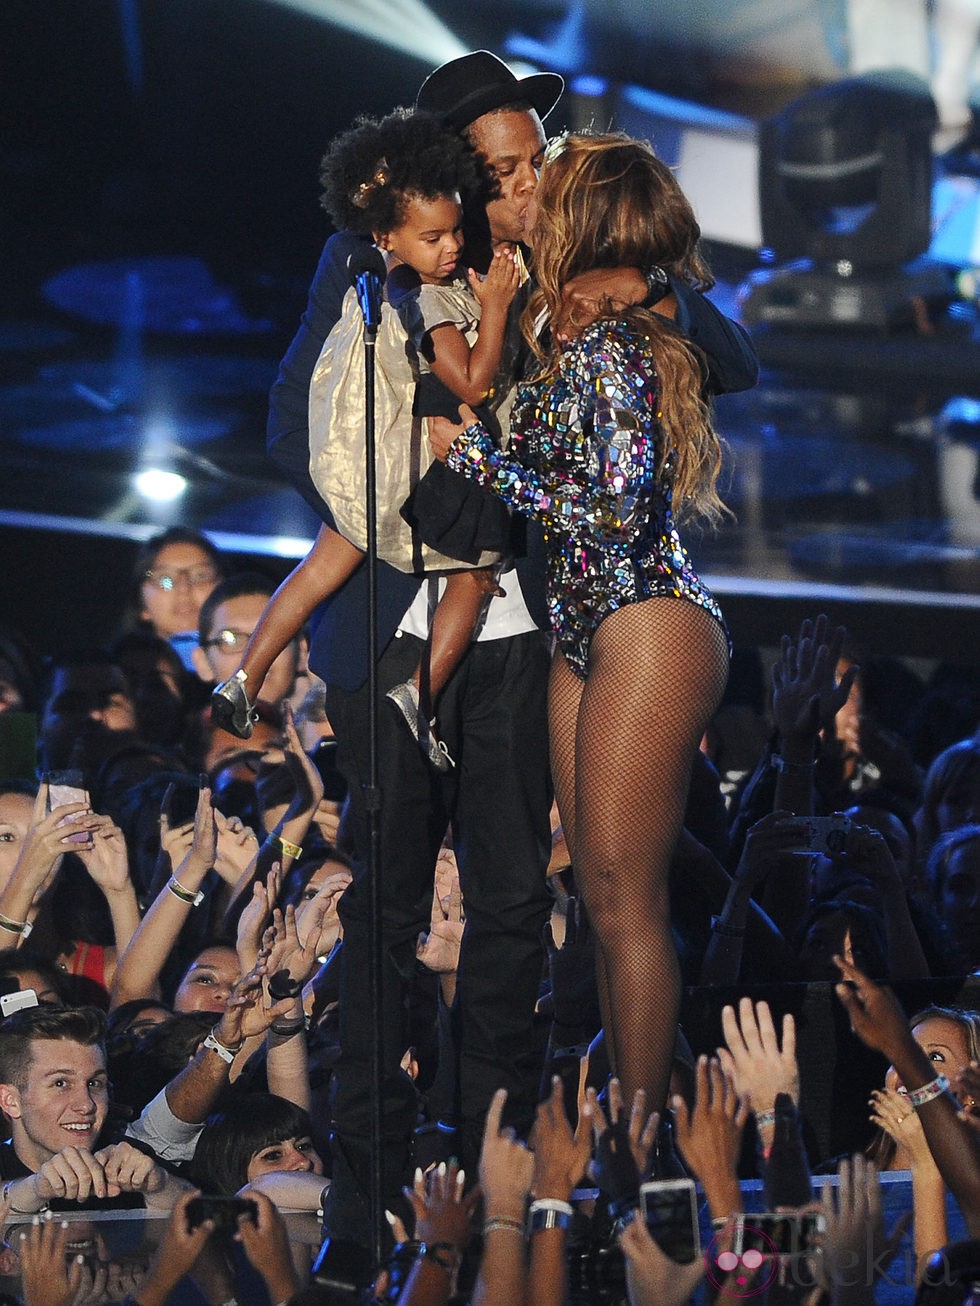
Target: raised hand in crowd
{"x": 141, "y": 964}
{"x": 49, "y": 1275}
{"x": 443, "y": 1228}
{"x": 506, "y": 1172}
{"x": 758, "y": 1062}
{"x": 256, "y": 917}
{"x": 237, "y": 847}
{"x": 318, "y": 918}
{"x": 561, "y": 1156}
{"x": 49, "y": 837}
{"x": 637, "y": 1128}
{"x": 652, "y": 1277}
{"x": 710, "y": 1136}
{"x": 766, "y": 845}
{"x": 855, "y": 1249}
{"x": 880, "y": 1023}
{"x": 806, "y": 699}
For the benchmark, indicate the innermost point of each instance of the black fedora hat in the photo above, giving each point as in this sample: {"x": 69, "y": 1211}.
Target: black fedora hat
{"x": 463, "y": 89}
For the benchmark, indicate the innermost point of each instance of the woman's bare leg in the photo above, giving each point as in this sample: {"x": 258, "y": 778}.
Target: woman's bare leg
{"x": 657, "y": 671}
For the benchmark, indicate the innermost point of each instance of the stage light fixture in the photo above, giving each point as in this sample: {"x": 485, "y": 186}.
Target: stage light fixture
{"x": 406, "y": 25}
{"x": 159, "y": 485}
{"x": 845, "y": 188}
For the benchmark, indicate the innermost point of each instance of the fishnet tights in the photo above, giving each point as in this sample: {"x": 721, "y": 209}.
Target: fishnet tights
{"x": 623, "y": 743}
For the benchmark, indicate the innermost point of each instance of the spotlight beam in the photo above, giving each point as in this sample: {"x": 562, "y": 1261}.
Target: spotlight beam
{"x": 405, "y": 25}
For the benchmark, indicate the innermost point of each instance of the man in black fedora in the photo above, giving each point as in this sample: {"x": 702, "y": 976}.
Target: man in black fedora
{"x": 492, "y": 717}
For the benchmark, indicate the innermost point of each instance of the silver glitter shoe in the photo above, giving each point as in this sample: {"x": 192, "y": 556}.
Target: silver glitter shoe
{"x": 230, "y": 708}
{"x": 405, "y": 697}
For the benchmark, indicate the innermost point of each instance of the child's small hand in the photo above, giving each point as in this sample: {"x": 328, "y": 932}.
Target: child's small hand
{"x": 501, "y": 282}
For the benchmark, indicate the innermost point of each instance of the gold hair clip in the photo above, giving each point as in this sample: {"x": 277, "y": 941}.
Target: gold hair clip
{"x": 361, "y": 197}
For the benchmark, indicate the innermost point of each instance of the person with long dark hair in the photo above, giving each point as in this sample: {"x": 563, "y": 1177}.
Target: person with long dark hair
{"x": 611, "y": 442}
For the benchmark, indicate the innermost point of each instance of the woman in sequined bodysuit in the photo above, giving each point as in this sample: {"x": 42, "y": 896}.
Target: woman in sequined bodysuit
{"x": 607, "y": 442}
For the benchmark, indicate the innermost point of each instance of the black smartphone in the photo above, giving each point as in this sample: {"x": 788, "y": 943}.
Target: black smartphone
{"x": 180, "y": 803}
{"x": 671, "y": 1212}
{"x": 224, "y": 1211}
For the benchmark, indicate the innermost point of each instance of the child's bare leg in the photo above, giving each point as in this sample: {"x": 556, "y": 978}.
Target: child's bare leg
{"x": 330, "y": 562}
{"x": 457, "y": 613}
{"x": 324, "y": 569}
{"x": 466, "y": 596}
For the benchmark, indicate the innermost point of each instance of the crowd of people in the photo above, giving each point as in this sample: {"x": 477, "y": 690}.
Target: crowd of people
{"x": 428, "y": 985}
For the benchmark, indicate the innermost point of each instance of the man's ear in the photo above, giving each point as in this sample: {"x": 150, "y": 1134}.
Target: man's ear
{"x": 201, "y": 664}
{"x": 10, "y": 1101}
{"x": 381, "y": 239}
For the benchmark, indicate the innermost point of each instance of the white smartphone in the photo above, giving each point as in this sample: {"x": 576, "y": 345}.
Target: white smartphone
{"x": 18, "y": 1001}
{"x": 671, "y": 1212}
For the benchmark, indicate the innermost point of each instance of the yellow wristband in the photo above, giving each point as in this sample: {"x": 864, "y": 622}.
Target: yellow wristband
{"x": 292, "y": 850}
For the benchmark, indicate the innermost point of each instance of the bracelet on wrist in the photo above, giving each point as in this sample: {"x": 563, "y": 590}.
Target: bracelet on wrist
{"x": 445, "y": 1255}
{"x": 503, "y": 1222}
{"x": 293, "y": 850}
{"x": 185, "y": 895}
{"x": 718, "y": 926}
{"x": 928, "y": 1092}
{"x": 549, "y": 1213}
{"x": 287, "y": 1031}
{"x": 763, "y": 1119}
{"x": 17, "y": 1210}
{"x": 23, "y": 928}
{"x": 226, "y": 1053}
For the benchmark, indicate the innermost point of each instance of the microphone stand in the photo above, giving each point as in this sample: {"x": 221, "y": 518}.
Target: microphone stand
{"x": 369, "y": 293}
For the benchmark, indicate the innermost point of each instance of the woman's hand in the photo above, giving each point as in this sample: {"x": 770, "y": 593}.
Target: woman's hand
{"x": 893, "y": 1112}
{"x": 443, "y": 1214}
{"x": 201, "y": 854}
{"x": 48, "y": 1276}
{"x": 48, "y": 840}
{"x": 288, "y": 953}
{"x": 256, "y": 915}
{"x": 107, "y": 861}
{"x": 302, "y": 770}
{"x": 237, "y": 846}
{"x": 318, "y": 918}
{"x": 442, "y": 432}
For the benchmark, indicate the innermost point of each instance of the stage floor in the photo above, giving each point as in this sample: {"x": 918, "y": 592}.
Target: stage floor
{"x": 853, "y": 468}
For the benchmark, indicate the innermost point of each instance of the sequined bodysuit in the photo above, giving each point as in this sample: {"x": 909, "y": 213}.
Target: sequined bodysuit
{"x": 585, "y": 458}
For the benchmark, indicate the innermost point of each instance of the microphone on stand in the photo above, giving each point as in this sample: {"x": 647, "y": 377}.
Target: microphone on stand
{"x": 367, "y": 272}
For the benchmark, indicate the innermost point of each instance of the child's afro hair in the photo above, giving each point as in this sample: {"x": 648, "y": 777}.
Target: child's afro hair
{"x": 369, "y": 172}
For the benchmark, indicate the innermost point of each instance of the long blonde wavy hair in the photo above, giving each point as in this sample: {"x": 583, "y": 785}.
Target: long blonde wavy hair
{"x": 607, "y": 201}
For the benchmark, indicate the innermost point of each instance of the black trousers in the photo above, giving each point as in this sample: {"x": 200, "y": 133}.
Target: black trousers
{"x": 493, "y": 719}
